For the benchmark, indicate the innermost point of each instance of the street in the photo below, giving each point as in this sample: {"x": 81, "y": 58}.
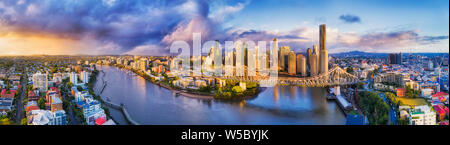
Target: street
{"x": 20, "y": 106}
{"x": 392, "y": 114}
{"x": 74, "y": 120}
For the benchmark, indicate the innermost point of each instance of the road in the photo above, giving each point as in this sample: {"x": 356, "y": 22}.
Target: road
{"x": 392, "y": 114}
{"x": 74, "y": 120}
{"x": 20, "y": 106}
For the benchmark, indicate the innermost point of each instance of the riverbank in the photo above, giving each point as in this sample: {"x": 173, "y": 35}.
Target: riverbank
{"x": 176, "y": 91}
{"x": 151, "y": 104}
{"x": 190, "y": 94}
{"x": 185, "y": 93}
{"x": 124, "y": 112}
{"x": 111, "y": 105}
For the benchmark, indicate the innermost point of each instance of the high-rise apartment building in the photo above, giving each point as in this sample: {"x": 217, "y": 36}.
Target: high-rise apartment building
{"x": 40, "y": 81}
{"x": 308, "y": 53}
{"x": 284, "y": 52}
{"x": 74, "y": 78}
{"x": 301, "y": 65}
{"x": 323, "y": 58}
{"x": 395, "y": 58}
{"x": 314, "y": 61}
{"x": 292, "y": 65}
{"x": 84, "y": 77}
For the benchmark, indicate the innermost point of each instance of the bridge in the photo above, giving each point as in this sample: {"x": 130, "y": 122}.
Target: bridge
{"x": 335, "y": 76}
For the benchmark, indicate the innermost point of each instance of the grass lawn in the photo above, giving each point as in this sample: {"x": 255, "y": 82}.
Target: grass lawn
{"x": 413, "y": 101}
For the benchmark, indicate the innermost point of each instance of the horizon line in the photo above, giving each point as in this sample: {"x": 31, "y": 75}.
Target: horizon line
{"x": 3, "y": 55}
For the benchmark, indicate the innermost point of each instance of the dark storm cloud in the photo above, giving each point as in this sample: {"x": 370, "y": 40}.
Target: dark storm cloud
{"x": 350, "y": 18}
{"x": 127, "y": 23}
{"x": 150, "y": 26}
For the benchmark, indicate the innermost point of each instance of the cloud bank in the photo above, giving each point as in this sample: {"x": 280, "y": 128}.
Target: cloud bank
{"x": 149, "y": 27}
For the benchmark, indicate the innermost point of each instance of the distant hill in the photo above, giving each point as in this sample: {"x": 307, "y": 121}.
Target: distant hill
{"x": 357, "y": 54}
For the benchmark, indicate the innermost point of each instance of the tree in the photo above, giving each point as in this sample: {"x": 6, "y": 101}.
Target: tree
{"x": 79, "y": 88}
{"x": 404, "y": 121}
{"x": 411, "y": 93}
{"x": 350, "y": 70}
{"x": 5, "y": 121}
{"x": 237, "y": 89}
{"x": 23, "y": 121}
{"x": 360, "y": 85}
{"x": 204, "y": 89}
{"x": 10, "y": 114}
{"x": 373, "y": 73}
{"x": 41, "y": 103}
{"x": 66, "y": 104}
{"x": 374, "y": 107}
{"x": 29, "y": 88}
{"x": 251, "y": 85}
{"x": 70, "y": 84}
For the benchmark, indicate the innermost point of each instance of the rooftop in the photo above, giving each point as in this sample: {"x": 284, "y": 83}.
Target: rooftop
{"x": 56, "y": 100}
{"x": 440, "y": 94}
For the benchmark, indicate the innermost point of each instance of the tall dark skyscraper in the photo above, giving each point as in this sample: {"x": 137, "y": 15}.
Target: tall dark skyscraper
{"x": 323, "y": 53}
{"x": 395, "y": 58}
{"x": 392, "y": 58}
{"x": 308, "y": 53}
{"x": 399, "y": 58}
{"x": 322, "y": 37}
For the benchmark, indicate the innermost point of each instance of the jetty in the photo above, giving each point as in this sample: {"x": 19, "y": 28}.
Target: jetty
{"x": 123, "y": 110}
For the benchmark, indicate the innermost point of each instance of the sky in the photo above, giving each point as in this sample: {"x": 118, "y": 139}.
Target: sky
{"x": 144, "y": 27}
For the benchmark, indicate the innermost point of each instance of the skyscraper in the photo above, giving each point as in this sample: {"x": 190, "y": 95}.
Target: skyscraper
{"x": 323, "y": 60}
{"x": 142, "y": 64}
{"x": 229, "y": 63}
{"x": 273, "y": 66}
{"x": 314, "y": 61}
{"x": 85, "y": 77}
{"x": 395, "y": 58}
{"x": 392, "y": 58}
{"x": 284, "y": 52}
{"x": 301, "y": 65}
{"x": 322, "y": 37}
{"x": 74, "y": 78}
{"x": 399, "y": 58}
{"x": 308, "y": 53}
{"x": 40, "y": 81}
{"x": 218, "y": 61}
{"x": 239, "y": 59}
{"x": 292, "y": 64}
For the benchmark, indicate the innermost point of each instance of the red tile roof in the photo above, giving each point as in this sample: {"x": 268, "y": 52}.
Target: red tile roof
{"x": 31, "y": 93}
{"x": 439, "y": 109}
{"x": 10, "y": 95}
{"x": 440, "y": 94}
{"x": 30, "y": 108}
{"x": 54, "y": 89}
{"x": 100, "y": 121}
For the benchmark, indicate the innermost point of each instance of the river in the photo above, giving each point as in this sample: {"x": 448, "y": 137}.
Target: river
{"x": 153, "y": 105}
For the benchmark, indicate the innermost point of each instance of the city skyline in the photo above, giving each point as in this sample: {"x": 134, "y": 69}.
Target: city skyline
{"x": 111, "y": 27}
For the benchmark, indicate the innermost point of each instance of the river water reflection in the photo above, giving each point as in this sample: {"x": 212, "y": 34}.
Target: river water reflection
{"x": 150, "y": 104}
